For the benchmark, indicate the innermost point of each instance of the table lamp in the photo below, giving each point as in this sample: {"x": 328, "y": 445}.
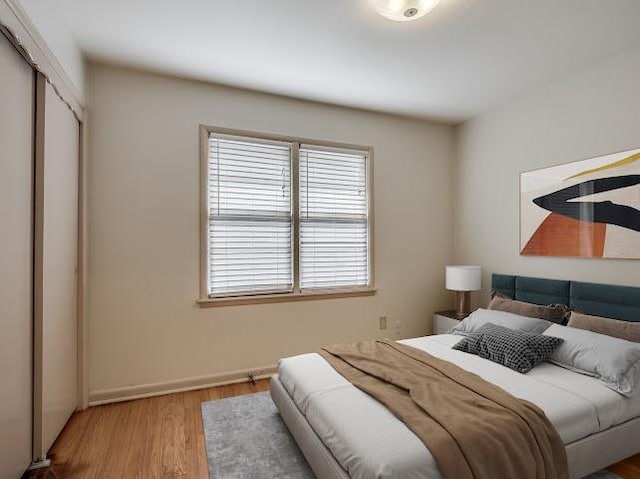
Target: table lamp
{"x": 463, "y": 279}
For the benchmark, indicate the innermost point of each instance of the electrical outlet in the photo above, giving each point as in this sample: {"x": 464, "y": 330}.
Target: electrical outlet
{"x": 383, "y": 322}
{"x": 397, "y": 326}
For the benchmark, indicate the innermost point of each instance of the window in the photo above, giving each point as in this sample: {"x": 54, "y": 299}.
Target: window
{"x": 284, "y": 218}
{"x": 250, "y": 234}
{"x": 334, "y": 219}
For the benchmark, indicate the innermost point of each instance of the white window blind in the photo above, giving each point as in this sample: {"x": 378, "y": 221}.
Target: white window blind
{"x": 249, "y": 211}
{"x": 334, "y": 219}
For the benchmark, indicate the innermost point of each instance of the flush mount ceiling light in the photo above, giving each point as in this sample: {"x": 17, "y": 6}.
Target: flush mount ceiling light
{"x": 404, "y": 10}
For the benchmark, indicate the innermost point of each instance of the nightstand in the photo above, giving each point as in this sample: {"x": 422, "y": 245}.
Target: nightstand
{"x": 443, "y": 321}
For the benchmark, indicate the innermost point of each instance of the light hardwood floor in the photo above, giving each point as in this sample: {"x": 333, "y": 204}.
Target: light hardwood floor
{"x": 159, "y": 437}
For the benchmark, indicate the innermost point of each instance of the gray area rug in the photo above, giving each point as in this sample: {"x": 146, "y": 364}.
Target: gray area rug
{"x": 246, "y": 439}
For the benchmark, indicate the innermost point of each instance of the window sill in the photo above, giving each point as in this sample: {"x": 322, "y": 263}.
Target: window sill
{"x": 282, "y": 297}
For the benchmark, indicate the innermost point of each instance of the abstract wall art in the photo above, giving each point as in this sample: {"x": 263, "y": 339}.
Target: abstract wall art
{"x": 589, "y": 208}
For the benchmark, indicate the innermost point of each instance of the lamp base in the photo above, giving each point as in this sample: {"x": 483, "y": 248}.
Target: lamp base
{"x": 463, "y": 304}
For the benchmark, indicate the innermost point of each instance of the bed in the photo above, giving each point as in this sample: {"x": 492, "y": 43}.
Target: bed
{"x": 344, "y": 433}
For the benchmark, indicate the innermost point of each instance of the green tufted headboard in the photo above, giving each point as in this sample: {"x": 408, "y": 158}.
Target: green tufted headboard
{"x": 610, "y": 301}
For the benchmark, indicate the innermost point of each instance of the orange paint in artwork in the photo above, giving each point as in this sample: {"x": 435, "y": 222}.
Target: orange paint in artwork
{"x": 559, "y": 235}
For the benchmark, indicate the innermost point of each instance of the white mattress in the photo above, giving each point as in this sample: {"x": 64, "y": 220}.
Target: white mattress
{"x": 370, "y": 442}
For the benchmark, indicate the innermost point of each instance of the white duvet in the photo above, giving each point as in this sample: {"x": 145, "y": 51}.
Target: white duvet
{"x": 370, "y": 442}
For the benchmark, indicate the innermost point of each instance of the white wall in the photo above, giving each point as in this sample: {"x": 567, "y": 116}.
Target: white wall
{"x": 145, "y": 326}
{"x": 594, "y": 112}
{"x": 50, "y": 21}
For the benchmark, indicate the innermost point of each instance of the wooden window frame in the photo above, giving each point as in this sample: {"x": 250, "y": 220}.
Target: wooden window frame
{"x": 297, "y": 295}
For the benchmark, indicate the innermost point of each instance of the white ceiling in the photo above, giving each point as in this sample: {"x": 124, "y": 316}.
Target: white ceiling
{"x": 466, "y": 57}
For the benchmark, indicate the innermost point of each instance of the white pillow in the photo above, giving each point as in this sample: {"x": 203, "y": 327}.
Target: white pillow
{"x": 480, "y": 317}
{"x": 614, "y": 362}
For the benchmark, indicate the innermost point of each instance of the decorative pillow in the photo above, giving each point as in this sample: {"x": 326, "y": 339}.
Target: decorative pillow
{"x": 514, "y": 349}
{"x": 556, "y": 313}
{"x": 611, "y": 327}
{"x": 480, "y": 317}
{"x": 614, "y": 362}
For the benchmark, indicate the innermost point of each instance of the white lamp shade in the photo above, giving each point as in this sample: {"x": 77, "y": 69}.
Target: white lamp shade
{"x": 464, "y": 278}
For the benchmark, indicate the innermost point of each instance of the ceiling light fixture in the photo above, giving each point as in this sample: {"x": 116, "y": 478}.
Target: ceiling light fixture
{"x": 404, "y": 10}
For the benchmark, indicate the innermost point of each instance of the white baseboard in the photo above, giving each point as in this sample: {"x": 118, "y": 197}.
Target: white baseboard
{"x": 106, "y": 396}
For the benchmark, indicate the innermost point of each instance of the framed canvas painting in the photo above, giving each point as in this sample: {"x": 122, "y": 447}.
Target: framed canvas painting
{"x": 589, "y": 208}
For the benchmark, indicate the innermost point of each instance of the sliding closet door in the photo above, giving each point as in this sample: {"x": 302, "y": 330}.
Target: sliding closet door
{"x": 16, "y": 260}
{"x": 56, "y": 267}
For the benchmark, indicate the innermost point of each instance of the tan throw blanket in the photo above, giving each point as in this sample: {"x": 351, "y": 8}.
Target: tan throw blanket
{"x": 473, "y": 428}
